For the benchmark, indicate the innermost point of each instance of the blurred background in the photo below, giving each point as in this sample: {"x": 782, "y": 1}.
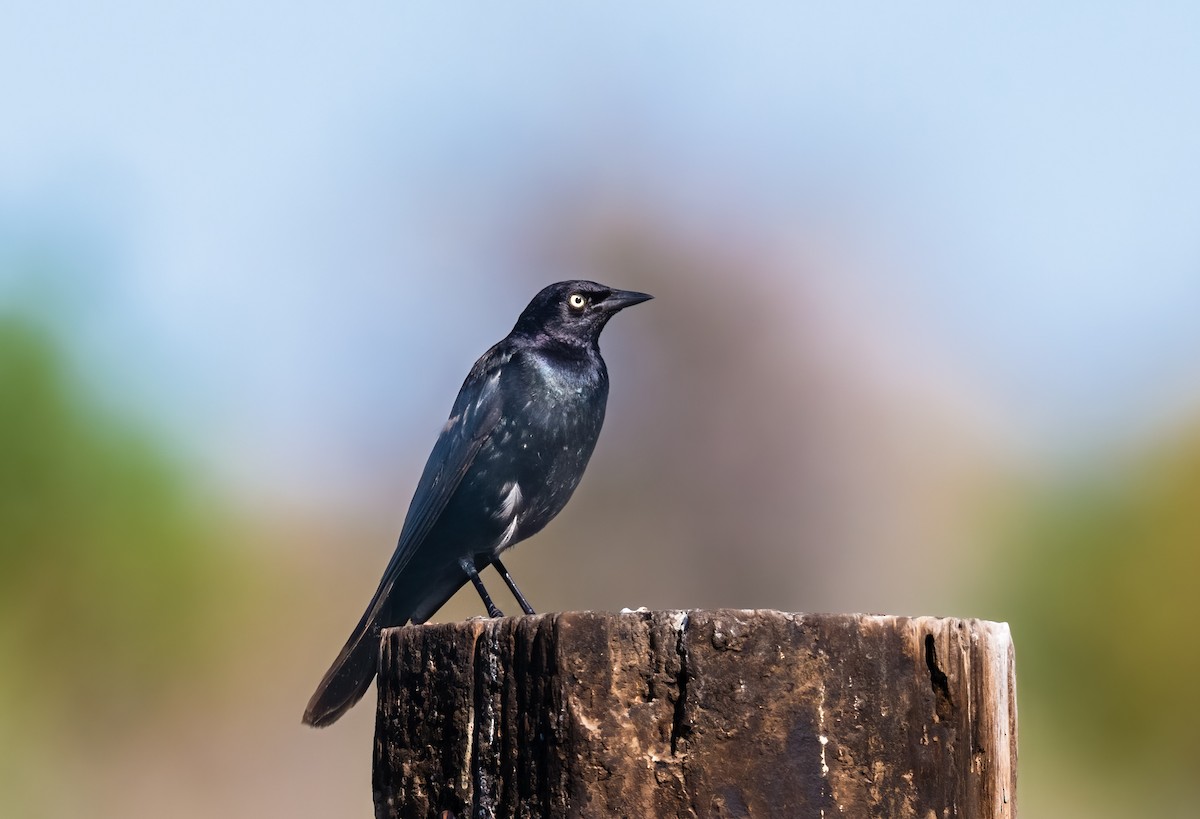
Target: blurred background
{"x": 925, "y": 341}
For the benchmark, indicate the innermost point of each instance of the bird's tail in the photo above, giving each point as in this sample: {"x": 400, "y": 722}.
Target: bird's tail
{"x": 350, "y": 675}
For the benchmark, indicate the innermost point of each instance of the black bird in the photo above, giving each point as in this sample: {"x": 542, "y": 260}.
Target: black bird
{"x": 518, "y": 439}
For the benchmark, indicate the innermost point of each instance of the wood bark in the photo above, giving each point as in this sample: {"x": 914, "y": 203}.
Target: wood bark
{"x": 697, "y": 714}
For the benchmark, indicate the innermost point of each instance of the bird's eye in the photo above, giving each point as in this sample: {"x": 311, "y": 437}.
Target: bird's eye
{"x": 576, "y": 301}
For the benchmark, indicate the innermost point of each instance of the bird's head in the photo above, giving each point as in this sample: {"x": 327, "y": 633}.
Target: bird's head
{"x": 574, "y": 311}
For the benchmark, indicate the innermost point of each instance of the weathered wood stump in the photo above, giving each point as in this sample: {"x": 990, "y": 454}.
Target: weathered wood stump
{"x": 697, "y": 714}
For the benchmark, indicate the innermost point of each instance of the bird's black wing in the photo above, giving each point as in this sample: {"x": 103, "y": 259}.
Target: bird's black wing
{"x": 476, "y": 412}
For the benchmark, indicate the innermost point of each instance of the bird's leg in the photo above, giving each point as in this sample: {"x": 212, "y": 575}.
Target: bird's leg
{"x": 469, "y": 568}
{"x": 512, "y": 587}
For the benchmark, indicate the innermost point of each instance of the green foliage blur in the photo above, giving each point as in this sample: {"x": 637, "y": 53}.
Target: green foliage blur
{"x": 113, "y": 579}
{"x": 1100, "y": 595}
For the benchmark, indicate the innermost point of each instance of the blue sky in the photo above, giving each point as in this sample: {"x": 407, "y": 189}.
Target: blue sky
{"x": 250, "y": 199}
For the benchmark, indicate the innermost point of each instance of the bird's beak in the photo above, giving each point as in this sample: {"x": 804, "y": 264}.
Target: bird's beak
{"x": 620, "y": 299}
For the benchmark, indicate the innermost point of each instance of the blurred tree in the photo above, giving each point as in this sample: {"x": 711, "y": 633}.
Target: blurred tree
{"x": 1104, "y": 583}
{"x": 110, "y": 584}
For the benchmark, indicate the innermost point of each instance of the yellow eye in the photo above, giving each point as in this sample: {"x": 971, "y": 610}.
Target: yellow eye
{"x": 576, "y": 301}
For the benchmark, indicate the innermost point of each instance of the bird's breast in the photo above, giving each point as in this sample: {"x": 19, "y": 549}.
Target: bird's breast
{"x": 535, "y": 457}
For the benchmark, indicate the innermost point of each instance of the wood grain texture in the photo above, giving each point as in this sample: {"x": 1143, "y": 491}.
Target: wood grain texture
{"x": 697, "y": 714}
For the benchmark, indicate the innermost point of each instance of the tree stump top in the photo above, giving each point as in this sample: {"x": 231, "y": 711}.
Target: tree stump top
{"x": 697, "y": 713}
